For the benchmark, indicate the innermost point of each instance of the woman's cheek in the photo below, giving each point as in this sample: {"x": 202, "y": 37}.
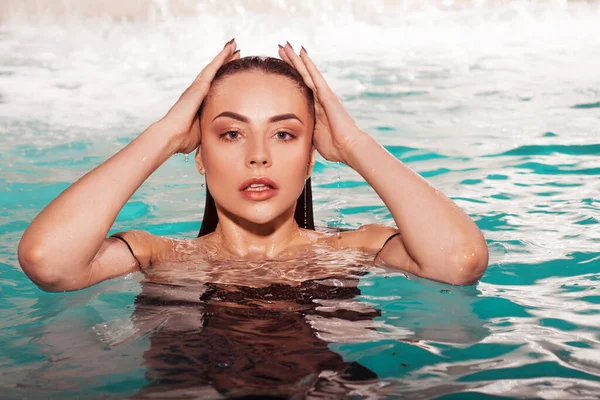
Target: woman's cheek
{"x": 220, "y": 158}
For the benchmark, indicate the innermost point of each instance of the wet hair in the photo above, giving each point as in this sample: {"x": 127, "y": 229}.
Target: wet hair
{"x": 268, "y": 65}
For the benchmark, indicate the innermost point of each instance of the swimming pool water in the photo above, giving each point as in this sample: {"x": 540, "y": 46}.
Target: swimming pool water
{"x": 498, "y": 106}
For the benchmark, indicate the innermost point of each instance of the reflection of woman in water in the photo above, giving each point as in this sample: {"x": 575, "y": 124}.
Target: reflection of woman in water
{"x": 241, "y": 341}
{"x": 255, "y": 124}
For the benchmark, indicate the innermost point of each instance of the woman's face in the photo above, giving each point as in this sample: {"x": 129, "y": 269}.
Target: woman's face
{"x": 256, "y": 125}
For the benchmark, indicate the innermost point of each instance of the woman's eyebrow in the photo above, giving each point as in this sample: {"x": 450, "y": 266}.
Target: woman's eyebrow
{"x": 282, "y": 117}
{"x": 242, "y": 118}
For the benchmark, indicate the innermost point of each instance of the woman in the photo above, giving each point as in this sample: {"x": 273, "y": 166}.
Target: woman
{"x": 255, "y": 139}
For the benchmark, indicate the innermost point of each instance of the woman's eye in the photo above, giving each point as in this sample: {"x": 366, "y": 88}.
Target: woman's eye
{"x": 231, "y": 135}
{"x": 282, "y": 135}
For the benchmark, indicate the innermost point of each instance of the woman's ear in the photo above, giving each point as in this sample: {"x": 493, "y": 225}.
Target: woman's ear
{"x": 198, "y": 159}
{"x": 311, "y": 162}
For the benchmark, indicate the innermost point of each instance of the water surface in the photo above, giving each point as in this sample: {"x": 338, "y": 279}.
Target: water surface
{"x": 496, "y": 105}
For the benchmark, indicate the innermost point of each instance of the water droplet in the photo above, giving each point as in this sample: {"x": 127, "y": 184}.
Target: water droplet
{"x": 186, "y": 157}
{"x": 444, "y": 291}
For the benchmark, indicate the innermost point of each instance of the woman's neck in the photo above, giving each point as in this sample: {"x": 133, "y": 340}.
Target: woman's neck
{"x": 257, "y": 241}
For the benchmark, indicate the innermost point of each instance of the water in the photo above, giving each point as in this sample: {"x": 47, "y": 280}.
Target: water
{"x": 496, "y": 104}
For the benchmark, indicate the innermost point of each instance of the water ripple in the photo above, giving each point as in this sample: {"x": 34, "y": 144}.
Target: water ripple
{"x": 534, "y": 150}
{"x": 586, "y": 105}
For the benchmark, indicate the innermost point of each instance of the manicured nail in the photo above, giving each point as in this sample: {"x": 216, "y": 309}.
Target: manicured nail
{"x": 280, "y": 46}
{"x": 228, "y": 43}
{"x": 303, "y": 49}
{"x": 235, "y": 52}
{"x": 288, "y": 43}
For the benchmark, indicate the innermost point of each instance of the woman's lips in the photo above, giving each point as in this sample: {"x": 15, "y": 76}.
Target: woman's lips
{"x": 258, "y": 188}
{"x": 263, "y": 180}
{"x": 259, "y": 195}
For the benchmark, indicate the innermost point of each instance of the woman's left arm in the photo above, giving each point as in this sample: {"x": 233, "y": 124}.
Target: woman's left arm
{"x": 442, "y": 241}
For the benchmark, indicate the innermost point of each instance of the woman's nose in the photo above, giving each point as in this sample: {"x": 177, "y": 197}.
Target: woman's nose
{"x": 258, "y": 154}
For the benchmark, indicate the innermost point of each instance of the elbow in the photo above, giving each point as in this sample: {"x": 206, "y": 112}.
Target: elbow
{"x": 35, "y": 265}
{"x": 469, "y": 263}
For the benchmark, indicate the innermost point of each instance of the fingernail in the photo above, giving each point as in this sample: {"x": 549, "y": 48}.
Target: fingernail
{"x": 280, "y": 46}
{"x": 303, "y": 49}
{"x": 288, "y": 43}
{"x": 228, "y": 43}
{"x": 235, "y": 52}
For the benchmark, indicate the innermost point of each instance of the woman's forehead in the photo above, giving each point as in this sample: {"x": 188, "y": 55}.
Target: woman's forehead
{"x": 252, "y": 91}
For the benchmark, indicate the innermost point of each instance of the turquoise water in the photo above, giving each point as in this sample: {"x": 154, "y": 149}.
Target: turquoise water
{"x": 506, "y": 125}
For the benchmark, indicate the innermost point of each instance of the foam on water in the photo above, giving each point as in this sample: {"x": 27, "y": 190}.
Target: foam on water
{"x": 104, "y": 72}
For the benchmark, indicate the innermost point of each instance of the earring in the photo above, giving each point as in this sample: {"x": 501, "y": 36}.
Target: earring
{"x": 305, "y": 214}
{"x": 305, "y": 202}
{"x": 201, "y": 170}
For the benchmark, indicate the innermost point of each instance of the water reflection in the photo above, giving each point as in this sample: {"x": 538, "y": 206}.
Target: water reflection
{"x": 233, "y": 330}
{"x": 240, "y": 329}
{"x": 237, "y": 341}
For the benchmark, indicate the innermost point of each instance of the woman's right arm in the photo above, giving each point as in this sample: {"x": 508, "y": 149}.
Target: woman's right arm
{"x": 65, "y": 247}
{"x": 68, "y": 238}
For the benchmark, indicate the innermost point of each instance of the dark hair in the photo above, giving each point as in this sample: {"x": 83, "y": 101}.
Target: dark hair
{"x": 268, "y": 65}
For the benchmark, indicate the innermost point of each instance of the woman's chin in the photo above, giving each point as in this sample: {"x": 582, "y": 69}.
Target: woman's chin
{"x": 262, "y": 220}
{"x": 263, "y": 217}
{"x": 262, "y": 213}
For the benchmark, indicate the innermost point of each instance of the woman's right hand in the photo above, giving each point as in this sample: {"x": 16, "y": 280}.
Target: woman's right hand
{"x": 182, "y": 120}
{"x": 86, "y": 210}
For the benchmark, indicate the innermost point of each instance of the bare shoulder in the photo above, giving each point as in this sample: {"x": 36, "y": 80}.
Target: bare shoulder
{"x": 147, "y": 247}
{"x": 367, "y": 237}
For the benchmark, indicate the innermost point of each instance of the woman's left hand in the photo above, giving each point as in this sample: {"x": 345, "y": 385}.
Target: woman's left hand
{"x": 336, "y": 133}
